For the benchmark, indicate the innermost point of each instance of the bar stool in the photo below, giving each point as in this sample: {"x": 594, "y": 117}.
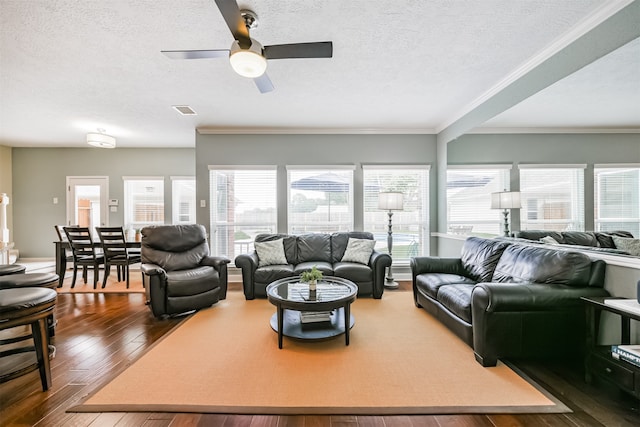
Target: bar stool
{"x": 28, "y": 306}
{"x": 32, "y": 280}
{"x": 12, "y": 269}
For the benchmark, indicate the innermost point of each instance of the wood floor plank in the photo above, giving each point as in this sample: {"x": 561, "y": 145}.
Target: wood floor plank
{"x": 98, "y": 335}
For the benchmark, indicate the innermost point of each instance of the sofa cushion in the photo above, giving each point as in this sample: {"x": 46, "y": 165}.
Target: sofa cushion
{"x": 190, "y": 282}
{"x": 314, "y": 247}
{"x": 605, "y": 240}
{"x": 549, "y": 240}
{"x": 270, "y": 253}
{"x": 339, "y": 241}
{"x": 581, "y": 238}
{"x": 532, "y": 264}
{"x": 324, "y": 267}
{"x": 538, "y": 234}
{"x": 430, "y": 283}
{"x": 457, "y": 299}
{"x": 358, "y": 250}
{"x": 289, "y": 242}
{"x": 357, "y": 273}
{"x": 271, "y": 273}
{"x": 632, "y": 246}
{"x": 480, "y": 257}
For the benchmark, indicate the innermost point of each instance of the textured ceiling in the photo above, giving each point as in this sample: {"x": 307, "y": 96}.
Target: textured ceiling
{"x": 68, "y": 67}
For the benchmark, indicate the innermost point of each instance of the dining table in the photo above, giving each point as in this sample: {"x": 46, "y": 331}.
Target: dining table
{"x": 61, "y": 255}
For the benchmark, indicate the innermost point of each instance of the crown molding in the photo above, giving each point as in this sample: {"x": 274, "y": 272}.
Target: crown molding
{"x": 506, "y": 130}
{"x": 312, "y": 131}
{"x": 598, "y": 16}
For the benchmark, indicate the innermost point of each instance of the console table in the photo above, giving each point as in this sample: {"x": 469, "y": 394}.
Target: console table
{"x": 599, "y": 361}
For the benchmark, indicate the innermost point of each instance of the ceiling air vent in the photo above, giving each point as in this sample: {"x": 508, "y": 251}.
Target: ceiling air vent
{"x": 185, "y": 110}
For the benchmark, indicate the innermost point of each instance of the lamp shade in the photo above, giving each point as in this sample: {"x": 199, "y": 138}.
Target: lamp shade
{"x": 391, "y": 201}
{"x": 101, "y": 140}
{"x": 505, "y": 200}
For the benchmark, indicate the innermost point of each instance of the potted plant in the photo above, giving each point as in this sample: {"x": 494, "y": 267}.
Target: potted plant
{"x": 311, "y": 276}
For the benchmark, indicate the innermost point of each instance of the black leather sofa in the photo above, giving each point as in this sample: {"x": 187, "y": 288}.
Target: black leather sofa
{"x": 325, "y": 251}
{"x": 507, "y": 300}
{"x": 599, "y": 241}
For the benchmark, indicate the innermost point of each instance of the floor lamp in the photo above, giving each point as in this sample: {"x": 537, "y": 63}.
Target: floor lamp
{"x": 390, "y": 201}
{"x": 506, "y": 200}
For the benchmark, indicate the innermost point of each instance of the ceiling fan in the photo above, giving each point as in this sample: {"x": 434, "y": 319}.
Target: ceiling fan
{"x": 246, "y": 55}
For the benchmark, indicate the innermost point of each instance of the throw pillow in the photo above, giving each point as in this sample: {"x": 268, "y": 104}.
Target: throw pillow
{"x": 627, "y": 244}
{"x": 358, "y": 250}
{"x": 270, "y": 253}
{"x": 549, "y": 240}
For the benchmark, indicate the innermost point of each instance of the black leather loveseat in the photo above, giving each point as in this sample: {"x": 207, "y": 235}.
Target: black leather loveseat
{"x": 508, "y": 300}
{"x": 324, "y": 251}
{"x": 600, "y": 241}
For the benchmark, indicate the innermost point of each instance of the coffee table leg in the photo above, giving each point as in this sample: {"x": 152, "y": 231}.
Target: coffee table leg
{"x": 280, "y": 325}
{"x": 347, "y": 322}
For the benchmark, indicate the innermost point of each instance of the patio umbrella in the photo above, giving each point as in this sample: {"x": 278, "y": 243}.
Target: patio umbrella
{"x": 328, "y": 182}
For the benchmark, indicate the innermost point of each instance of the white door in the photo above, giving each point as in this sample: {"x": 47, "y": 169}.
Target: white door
{"x": 87, "y": 201}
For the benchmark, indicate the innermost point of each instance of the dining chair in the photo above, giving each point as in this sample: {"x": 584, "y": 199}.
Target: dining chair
{"x": 114, "y": 248}
{"x": 84, "y": 253}
{"x": 68, "y": 256}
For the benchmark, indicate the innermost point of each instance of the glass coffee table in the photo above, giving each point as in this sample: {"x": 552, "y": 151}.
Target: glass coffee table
{"x": 308, "y": 315}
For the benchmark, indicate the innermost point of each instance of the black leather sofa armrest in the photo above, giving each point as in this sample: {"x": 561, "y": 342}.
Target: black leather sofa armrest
{"x": 215, "y": 261}
{"x": 152, "y": 270}
{"x": 379, "y": 262}
{"x": 429, "y": 264}
{"x": 506, "y": 297}
{"x": 248, "y": 263}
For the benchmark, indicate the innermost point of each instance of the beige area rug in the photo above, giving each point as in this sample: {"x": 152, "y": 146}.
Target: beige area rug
{"x": 225, "y": 359}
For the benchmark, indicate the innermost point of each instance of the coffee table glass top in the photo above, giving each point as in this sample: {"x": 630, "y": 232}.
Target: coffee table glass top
{"x": 328, "y": 289}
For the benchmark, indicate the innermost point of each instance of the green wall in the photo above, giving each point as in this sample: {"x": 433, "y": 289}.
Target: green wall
{"x": 39, "y": 175}
{"x": 282, "y": 150}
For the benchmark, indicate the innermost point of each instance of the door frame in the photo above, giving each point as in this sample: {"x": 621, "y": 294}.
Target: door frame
{"x": 103, "y": 182}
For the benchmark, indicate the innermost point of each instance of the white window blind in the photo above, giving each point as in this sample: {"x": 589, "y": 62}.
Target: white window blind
{"x": 143, "y": 201}
{"x": 410, "y": 225}
{"x": 183, "y": 196}
{"x": 469, "y": 191}
{"x": 617, "y": 198}
{"x": 242, "y": 204}
{"x": 320, "y": 199}
{"x": 552, "y": 197}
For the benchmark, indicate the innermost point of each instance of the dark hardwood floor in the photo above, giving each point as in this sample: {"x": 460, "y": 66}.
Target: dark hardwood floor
{"x": 99, "y": 334}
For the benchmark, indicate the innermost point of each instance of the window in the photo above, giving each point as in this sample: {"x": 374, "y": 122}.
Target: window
{"x": 411, "y": 225}
{"x": 469, "y": 191}
{"x": 183, "y": 196}
{"x": 320, "y": 200}
{"x": 552, "y": 197}
{"x": 617, "y": 198}
{"x": 243, "y": 203}
{"x": 143, "y": 201}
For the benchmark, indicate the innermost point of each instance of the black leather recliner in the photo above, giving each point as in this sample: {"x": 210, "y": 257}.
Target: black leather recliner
{"x": 178, "y": 273}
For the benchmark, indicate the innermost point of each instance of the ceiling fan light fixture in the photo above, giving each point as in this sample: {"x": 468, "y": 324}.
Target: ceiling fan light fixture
{"x": 248, "y": 62}
{"x": 101, "y": 140}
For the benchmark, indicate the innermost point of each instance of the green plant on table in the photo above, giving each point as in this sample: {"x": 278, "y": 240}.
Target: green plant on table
{"x": 311, "y": 275}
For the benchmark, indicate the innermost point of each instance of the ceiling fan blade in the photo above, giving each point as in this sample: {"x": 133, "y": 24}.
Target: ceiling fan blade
{"x": 196, "y": 54}
{"x": 299, "y": 50}
{"x": 264, "y": 83}
{"x": 231, "y": 14}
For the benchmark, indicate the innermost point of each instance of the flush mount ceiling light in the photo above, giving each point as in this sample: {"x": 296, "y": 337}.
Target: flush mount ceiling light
{"x": 101, "y": 140}
{"x": 248, "y": 62}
